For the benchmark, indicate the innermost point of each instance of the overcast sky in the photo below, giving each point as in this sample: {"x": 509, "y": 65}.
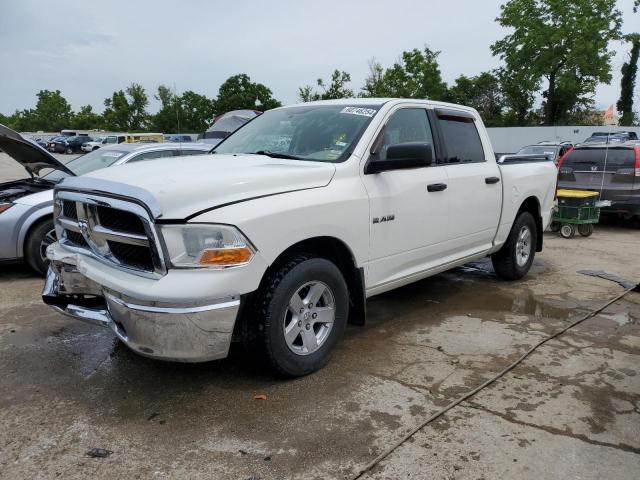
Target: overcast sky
{"x": 90, "y": 49}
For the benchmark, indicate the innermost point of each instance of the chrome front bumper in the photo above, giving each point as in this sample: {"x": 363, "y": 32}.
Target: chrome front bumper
{"x": 182, "y": 333}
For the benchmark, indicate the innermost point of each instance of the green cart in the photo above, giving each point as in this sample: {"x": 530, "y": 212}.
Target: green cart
{"x": 576, "y": 210}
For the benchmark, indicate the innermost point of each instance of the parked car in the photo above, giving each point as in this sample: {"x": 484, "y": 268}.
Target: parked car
{"x": 68, "y": 144}
{"x": 618, "y": 136}
{"x": 553, "y": 150}
{"x": 300, "y": 216}
{"x": 611, "y": 169}
{"x": 92, "y": 145}
{"x": 224, "y": 125}
{"x": 179, "y": 138}
{"x": 51, "y": 143}
{"x": 26, "y": 206}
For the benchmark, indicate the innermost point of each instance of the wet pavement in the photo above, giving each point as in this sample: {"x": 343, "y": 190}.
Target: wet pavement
{"x": 571, "y": 410}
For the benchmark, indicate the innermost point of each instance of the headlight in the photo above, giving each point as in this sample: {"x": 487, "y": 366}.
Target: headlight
{"x": 200, "y": 245}
{"x": 5, "y": 206}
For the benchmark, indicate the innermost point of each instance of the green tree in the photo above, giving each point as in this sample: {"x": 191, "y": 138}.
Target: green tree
{"x": 518, "y": 89}
{"x": 196, "y": 112}
{"x": 482, "y": 92}
{"x": 52, "y": 113}
{"x": 239, "y": 92}
{"x": 628, "y": 81}
{"x": 562, "y": 43}
{"x": 189, "y": 112}
{"x": 87, "y": 119}
{"x": 166, "y": 118}
{"x": 374, "y": 83}
{"x": 336, "y": 89}
{"x": 127, "y": 110}
{"x": 415, "y": 75}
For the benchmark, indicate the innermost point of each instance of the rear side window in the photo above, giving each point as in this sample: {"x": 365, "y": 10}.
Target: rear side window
{"x": 151, "y": 155}
{"x": 181, "y": 152}
{"x": 461, "y": 140}
{"x": 593, "y": 159}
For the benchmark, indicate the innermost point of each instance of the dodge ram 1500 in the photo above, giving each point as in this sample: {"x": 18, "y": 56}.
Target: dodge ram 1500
{"x": 279, "y": 237}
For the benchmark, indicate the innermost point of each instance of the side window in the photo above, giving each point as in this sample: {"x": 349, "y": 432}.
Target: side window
{"x": 151, "y": 155}
{"x": 405, "y": 126}
{"x": 121, "y": 139}
{"x": 182, "y": 152}
{"x": 461, "y": 140}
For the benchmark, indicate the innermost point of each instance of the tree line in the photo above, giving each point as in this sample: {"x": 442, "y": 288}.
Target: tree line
{"x": 556, "y": 51}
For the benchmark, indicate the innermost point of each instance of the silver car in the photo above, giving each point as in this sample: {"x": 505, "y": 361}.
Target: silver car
{"x": 26, "y": 206}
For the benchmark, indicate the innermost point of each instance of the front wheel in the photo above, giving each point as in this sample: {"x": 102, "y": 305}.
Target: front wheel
{"x": 514, "y": 259}
{"x": 301, "y": 315}
{"x": 35, "y": 248}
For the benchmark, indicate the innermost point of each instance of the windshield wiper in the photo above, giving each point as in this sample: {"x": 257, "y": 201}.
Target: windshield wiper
{"x": 276, "y": 155}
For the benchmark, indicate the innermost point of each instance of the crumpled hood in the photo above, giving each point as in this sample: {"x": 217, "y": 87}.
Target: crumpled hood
{"x": 181, "y": 187}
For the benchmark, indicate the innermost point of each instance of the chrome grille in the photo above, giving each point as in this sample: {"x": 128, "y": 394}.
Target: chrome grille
{"x": 112, "y": 230}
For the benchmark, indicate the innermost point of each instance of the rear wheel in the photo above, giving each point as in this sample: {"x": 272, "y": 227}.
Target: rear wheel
{"x": 69, "y": 150}
{"x": 35, "y": 248}
{"x": 514, "y": 259}
{"x": 567, "y": 230}
{"x": 585, "y": 229}
{"x": 301, "y": 315}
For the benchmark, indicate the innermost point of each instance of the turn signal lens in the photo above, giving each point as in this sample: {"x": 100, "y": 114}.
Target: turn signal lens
{"x": 5, "y": 206}
{"x": 223, "y": 257}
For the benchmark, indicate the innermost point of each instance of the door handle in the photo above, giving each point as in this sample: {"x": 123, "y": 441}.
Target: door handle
{"x": 490, "y": 180}
{"x": 436, "y": 187}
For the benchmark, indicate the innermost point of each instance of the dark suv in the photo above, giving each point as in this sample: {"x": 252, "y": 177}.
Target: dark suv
{"x": 613, "y": 169}
{"x": 69, "y": 144}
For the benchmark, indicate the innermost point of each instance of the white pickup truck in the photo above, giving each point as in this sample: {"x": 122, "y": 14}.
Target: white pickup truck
{"x": 279, "y": 238}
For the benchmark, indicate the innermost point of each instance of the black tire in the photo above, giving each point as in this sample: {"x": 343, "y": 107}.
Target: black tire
{"x": 94, "y": 149}
{"x": 68, "y": 150}
{"x": 555, "y": 227}
{"x": 35, "y": 246}
{"x": 567, "y": 231}
{"x": 505, "y": 261}
{"x": 585, "y": 229}
{"x": 272, "y": 307}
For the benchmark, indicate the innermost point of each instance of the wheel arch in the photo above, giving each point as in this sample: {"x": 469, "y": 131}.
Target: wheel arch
{"x": 29, "y": 223}
{"x": 338, "y": 252}
{"x": 532, "y": 205}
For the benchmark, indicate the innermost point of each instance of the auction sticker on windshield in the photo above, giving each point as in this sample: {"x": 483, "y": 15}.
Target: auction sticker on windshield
{"x": 365, "y": 112}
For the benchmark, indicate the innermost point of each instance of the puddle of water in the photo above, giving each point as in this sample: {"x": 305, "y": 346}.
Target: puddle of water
{"x": 621, "y": 318}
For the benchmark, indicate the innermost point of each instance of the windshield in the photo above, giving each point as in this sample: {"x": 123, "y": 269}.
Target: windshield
{"x": 313, "y": 132}
{"x": 538, "y": 150}
{"x": 87, "y": 163}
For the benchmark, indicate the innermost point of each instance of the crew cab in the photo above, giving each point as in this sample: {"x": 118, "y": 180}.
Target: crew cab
{"x": 281, "y": 236}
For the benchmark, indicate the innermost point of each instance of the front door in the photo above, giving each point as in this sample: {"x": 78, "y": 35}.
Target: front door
{"x": 408, "y": 208}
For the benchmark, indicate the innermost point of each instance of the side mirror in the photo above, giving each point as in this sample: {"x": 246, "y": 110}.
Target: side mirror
{"x": 402, "y": 156}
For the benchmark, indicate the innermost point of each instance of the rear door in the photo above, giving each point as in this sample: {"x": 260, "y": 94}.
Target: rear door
{"x": 610, "y": 169}
{"x": 474, "y": 184}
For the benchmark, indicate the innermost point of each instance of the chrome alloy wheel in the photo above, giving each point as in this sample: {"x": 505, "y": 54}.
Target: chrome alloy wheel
{"x": 309, "y": 318}
{"x": 47, "y": 240}
{"x": 523, "y": 246}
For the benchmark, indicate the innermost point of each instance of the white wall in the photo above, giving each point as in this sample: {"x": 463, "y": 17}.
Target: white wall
{"x": 511, "y": 139}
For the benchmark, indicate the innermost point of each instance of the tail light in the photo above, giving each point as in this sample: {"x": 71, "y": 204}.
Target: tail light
{"x": 565, "y": 156}
{"x": 636, "y": 154}
{"x": 560, "y": 161}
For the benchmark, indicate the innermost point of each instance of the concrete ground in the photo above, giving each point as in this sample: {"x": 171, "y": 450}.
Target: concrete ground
{"x": 571, "y": 410}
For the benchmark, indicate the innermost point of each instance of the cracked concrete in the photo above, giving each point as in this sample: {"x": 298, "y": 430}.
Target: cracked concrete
{"x": 571, "y": 410}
